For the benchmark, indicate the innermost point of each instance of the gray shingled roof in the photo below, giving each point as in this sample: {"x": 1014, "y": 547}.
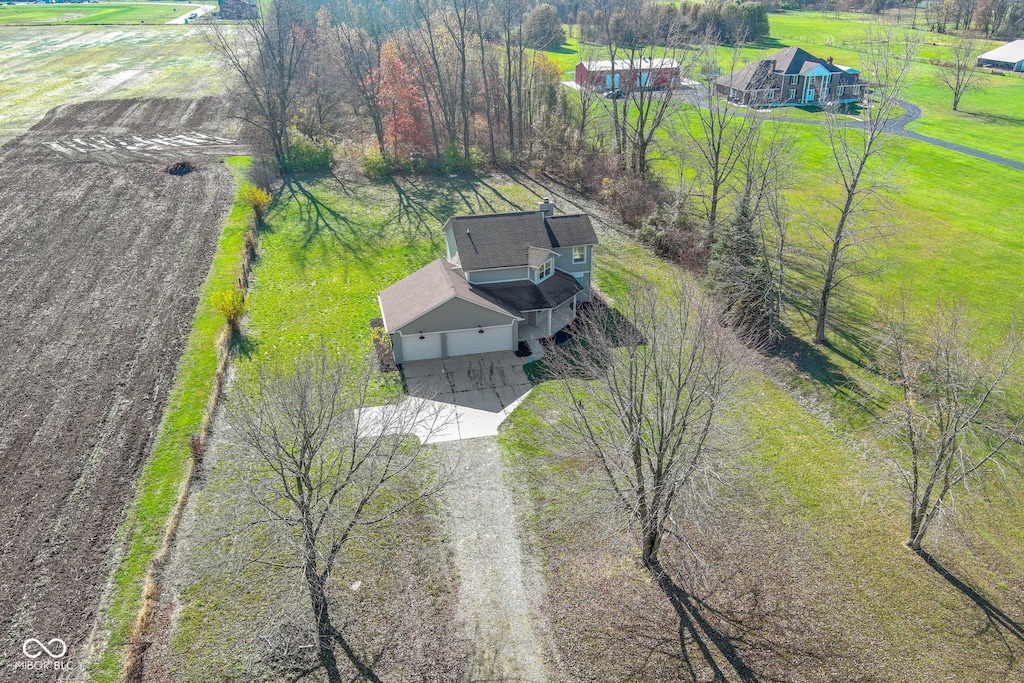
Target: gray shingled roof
{"x": 536, "y": 256}
{"x": 753, "y": 76}
{"x": 790, "y": 61}
{"x": 428, "y": 288}
{"x": 503, "y": 240}
{"x": 524, "y": 295}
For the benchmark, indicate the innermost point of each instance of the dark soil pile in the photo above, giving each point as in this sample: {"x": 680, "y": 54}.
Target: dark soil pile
{"x": 180, "y": 168}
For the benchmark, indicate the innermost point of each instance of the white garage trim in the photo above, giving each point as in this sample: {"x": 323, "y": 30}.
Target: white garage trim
{"x": 414, "y": 348}
{"x": 465, "y": 342}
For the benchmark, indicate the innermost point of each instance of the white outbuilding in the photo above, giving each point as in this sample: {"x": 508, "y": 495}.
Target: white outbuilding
{"x": 1009, "y": 57}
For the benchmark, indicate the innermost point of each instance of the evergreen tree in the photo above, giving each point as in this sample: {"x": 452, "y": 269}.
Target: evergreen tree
{"x": 740, "y": 276}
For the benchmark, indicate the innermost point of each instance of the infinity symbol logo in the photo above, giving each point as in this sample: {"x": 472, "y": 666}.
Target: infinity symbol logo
{"x": 59, "y": 651}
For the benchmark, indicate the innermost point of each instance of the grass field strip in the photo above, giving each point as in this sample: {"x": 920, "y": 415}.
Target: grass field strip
{"x": 134, "y": 143}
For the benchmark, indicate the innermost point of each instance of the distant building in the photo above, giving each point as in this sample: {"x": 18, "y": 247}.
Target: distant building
{"x": 1009, "y": 57}
{"x": 627, "y": 74}
{"x": 236, "y": 9}
{"x": 791, "y": 77}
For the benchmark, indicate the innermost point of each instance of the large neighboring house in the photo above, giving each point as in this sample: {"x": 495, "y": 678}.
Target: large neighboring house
{"x": 791, "y": 77}
{"x": 507, "y": 278}
{"x": 627, "y": 74}
{"x": 1009, "y": 57}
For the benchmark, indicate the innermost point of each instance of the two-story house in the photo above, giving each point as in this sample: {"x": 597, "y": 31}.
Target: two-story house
{"x": 791, "y": 77}
{"x": 506, "y": 278}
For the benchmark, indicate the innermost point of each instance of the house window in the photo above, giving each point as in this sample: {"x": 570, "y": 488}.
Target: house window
{"x": 771, "y": 94}
{"x": 792, "y": 94}
{"x": 545, "y": 271}
{"x": 579, "y": 254}
{"x": 793, "y": 80}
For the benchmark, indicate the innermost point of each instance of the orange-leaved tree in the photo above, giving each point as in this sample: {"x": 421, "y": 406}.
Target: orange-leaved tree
{"x": 402, "y": 105}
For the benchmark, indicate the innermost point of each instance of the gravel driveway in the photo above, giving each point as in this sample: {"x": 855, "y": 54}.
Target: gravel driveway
{"x": 499, "y": 593}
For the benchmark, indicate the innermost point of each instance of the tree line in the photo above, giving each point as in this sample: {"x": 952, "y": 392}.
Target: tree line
{"x": 726, "y": 22}
{"x": 432, "y": 81}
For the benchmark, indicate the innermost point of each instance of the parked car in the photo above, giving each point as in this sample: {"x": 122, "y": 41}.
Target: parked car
{"x": 616, "y": 94}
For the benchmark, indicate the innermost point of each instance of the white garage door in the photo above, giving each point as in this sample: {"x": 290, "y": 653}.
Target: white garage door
{"x": 414, "y": 348}
{"x": 498, "y": 338}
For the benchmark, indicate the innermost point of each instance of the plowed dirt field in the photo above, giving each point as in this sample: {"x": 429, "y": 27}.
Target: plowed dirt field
{"x": 102, "y": 254}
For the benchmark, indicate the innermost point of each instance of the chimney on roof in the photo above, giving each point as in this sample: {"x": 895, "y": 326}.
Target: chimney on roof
{"x": 546, "y": 207}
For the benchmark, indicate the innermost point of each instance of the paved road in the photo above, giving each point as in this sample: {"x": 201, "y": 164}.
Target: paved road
{"x": 899, "y": 127}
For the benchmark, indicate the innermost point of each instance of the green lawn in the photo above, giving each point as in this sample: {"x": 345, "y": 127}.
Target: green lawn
{"x": 103, "y": 13}
{"x": 953, "y": 231}
{"x": 990, "y": 119}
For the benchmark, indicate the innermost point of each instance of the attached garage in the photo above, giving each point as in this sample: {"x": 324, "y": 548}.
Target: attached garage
{"x": 436, "y": 313}
{"x": 481, "y": 340}
{"x": 415, "y": 348}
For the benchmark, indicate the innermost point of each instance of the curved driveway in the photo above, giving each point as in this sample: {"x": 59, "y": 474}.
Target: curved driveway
{"x": 911, "y": 113}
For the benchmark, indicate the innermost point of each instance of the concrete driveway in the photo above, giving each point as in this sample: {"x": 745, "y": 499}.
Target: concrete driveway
{"x": 478, "y": 392}
{"x": 486, "y": 381}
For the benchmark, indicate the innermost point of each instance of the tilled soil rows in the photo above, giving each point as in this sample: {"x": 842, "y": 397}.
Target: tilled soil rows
{"x": 102, "y": 254}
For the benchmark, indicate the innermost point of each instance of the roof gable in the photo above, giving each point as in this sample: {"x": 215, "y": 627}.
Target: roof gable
{"x": 428, "y": 288}
{"x": 509, "y": 240}
{"x": 814, "y": 69}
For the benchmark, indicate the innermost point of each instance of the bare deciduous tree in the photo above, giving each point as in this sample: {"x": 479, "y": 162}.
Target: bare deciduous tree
{"x": 357, "y": 44}
{"x": 325, "y": 468}
{"x": 267, "y": 55}
{"x": 960, "y": 73}
{"x": 852, "y": 149}
{"x": 720, "y": 135}
{"x": 322, "y": 87}
{"x": 950, "y": 419}
{"x": 647, "y": 413}
{"x": 641, "y": 99}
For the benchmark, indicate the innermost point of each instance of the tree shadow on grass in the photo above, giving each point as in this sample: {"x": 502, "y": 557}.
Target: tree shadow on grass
{"x": 562, "y": 49}
{"x": 1003, "y": 624}
{"x": 811, "y": 360}
{"x": 1001, "y": 119}
{"x": 552, "y": 189}
{"x": 421, "y": 209}
{"x": 768, "y": 42}
{"x": 424, "y": 205}
{"x": 695, "y": 628}
{"x": 321, "y": 221}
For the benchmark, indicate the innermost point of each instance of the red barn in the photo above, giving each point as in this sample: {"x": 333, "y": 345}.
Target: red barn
{"x": 627, "y": 74}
